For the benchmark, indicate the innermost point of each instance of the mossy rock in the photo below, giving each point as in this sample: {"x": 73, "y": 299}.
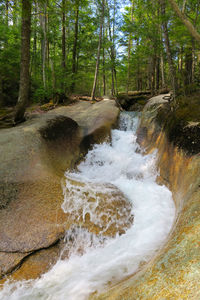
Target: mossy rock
{"x": 182, "y": 124}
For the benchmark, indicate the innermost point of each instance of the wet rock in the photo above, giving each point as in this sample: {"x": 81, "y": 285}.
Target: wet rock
{"x": 36, "y": 264}
{"x": 35, "y": 219}
{"x": 174, "y": 273}
{"x": 101, "y": 208}
{"x": 33, "y": 158}
{"x": 9, "y": 261}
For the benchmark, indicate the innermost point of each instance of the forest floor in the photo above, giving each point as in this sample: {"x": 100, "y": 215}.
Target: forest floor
{"x": 187, "y": 109}
{"x": 6, "y": 113}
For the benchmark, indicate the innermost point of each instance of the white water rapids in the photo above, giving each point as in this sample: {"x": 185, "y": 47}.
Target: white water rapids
{"x": 107, "y": 259}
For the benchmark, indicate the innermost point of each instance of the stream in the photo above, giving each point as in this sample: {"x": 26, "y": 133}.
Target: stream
{"x": 96, "y": 260}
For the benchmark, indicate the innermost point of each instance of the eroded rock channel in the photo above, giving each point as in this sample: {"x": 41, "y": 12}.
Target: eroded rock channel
{"x": 112, "y": 218}
{"x": 33, "y": 158}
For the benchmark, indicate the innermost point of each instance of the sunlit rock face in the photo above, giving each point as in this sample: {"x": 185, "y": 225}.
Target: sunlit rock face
{"x": 174, "y": 273}
{"x": 33, "y": 159}
{"x": 104, "y": 244}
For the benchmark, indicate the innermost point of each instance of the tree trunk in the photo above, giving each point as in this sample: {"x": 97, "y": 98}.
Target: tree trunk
{"x": 98, "y": 53}
{"x": 104, "y": 71}
{"x": 25, "y": 61}
{"x": 157, "y": 73}
{"x": 129, "y": 51}
{"x": 63, "y": 36}
{"x": 34, "y": 56}
{"x": 14, "y": 14}
{"x": 168, "y": 49}
{"x": 43, "y": 24}
{"x": 192, "y": 30}
{"x": 7, "y": 11}
{"x": 63, "y": 63}
{"x": 184, "y": 5}
{"x": 114, "y": 52}
{"x": 162, "y": 71}
{"x": 188, "y": 66}
{"x": 74, "y": 56}
{"x": 153, "y": 68}
{"x": 112, "y": 49}
{"x": 193, "y": 60}
{"x": 52, "y": 63}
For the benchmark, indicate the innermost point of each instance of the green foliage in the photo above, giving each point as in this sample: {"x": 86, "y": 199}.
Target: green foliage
{"x": 141, "y": 31}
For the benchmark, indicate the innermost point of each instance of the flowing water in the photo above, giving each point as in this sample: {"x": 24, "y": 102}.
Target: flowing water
{"x": 94, "y": 261}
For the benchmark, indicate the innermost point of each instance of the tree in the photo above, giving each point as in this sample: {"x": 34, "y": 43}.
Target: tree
{"x": 185, "y": 21}
{"x": 99, "y": 50}
{"x": 25, "y": 61}
{"x": 74, "y": 55}
{"x": 168, "y": 49}
{"x": 43, "y": 24}
{"x": 129, "y": 49}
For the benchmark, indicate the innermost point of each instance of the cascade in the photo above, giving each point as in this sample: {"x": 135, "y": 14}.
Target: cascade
{"x": 90, "y": 262}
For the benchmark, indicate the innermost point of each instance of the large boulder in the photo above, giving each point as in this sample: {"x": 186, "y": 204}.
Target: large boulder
{"x": 33, "y": 159}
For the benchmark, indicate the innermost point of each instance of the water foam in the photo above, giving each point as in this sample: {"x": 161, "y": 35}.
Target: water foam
{"x": 105, "y": 259}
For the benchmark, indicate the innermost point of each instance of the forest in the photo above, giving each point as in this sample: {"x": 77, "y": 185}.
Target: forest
{"x": 50, "y": 50}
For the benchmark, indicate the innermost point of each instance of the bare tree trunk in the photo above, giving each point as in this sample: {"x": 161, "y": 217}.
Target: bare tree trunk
{"x": 193, "y": 60}
{"x": 184, "y": 5}
{"x": 33, "y": 60}
{"x": 129, "y": 51}
{"x": 14, "y": 15}
{"x": 74, "y": 58}
{"x": 153, "y": 67}
{"x": 157, "y": 73}
{"x": 1, "y": 91}
{"x": 98, "y": 53}
{"x": 112, "y": 50}
{"x": 162, "y": 71}
{"x": 63, "y": 63}
{"x": 168, "y": 49}
{"x": 194, "y": 44}
{"x": 63, "y": 36}
{"x": 7, "y": 11}
{"x": 111, "y": 53}
{"x": 138, "y": 79}
{"x": 52, "y": 63}
{"x": 188, "y": 66}
{"x": 116, "y": 85}
{"x": 104, "y": 72}
{"x": 43, "y": 24}
{"x": 192, "y": 30}
{"x": 25, "y": 61}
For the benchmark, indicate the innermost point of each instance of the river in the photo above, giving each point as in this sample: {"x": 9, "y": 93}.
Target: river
{"x": 105, "y": 259}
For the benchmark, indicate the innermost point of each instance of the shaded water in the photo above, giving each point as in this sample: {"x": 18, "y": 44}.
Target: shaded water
{"x": 96, "y": 260}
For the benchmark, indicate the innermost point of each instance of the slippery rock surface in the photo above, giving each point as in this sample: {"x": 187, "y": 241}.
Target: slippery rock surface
{"x": 174, "y": 273}
{"x": 36, "y": 264}
{"x": 101, "y": 208}
{"x": 9, "y": 261}
{"x": 33, "y": 158}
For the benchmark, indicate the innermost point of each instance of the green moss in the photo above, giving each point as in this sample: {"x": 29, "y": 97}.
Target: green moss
{"x": 3, "y": 112}
{"x": 188, "y": 108}
{"x": 142, "y": 102}
{"x": 182, "y": 124}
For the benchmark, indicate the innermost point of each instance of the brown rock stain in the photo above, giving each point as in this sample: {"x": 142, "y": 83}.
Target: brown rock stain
{"x": 175, "y": 272}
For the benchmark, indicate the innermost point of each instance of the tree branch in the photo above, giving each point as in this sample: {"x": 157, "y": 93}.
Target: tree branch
{"x": 192, "y": 30}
